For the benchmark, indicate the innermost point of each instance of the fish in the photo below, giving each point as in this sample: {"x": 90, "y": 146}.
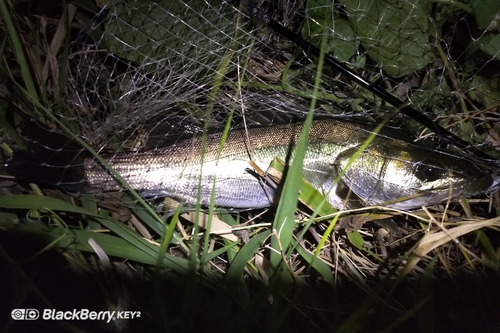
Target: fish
{"x": 393, "y": 170}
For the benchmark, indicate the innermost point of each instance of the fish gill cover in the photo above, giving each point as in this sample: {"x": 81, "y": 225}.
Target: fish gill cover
{"x": 124, "y": 76}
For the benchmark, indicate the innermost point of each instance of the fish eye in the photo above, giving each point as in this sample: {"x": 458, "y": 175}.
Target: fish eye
{"x": 428, "y": 171}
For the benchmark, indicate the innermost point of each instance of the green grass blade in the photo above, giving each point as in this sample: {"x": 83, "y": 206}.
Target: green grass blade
{"x": 245, "y": 254}
{"x": 18, "y": 50}
{"x": 492, "y": 258}
{"x": 319, "y": 265}
{"x": 31, "y": 202}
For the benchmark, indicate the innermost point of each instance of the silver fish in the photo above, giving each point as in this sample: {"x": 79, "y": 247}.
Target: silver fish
{"x": 391, "y": 169}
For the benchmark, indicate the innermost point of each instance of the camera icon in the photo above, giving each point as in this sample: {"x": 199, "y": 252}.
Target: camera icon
{"x": 25, "y": 314}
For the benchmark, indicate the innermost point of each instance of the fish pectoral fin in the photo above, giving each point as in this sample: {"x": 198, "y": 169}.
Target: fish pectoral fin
{"x": 350, "y": 199}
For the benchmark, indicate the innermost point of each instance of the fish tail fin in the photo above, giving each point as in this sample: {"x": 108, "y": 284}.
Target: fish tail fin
{"x": 51, "y": 158}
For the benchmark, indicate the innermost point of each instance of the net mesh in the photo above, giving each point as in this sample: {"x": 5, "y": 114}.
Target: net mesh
{"x": 144, "y": 65}
{"x": 166, "y": 62}
{"x": 141, "y": 74}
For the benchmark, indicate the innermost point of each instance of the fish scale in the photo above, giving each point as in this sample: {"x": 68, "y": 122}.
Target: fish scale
{"x": 387, "y": 171}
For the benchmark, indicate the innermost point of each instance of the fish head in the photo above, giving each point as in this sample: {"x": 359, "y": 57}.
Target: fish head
{"x": 407, "y": 176}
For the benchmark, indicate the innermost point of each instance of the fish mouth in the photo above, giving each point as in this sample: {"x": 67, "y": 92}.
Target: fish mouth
{"x": 475, "y": 186}
{"x": 495, "y": 182}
